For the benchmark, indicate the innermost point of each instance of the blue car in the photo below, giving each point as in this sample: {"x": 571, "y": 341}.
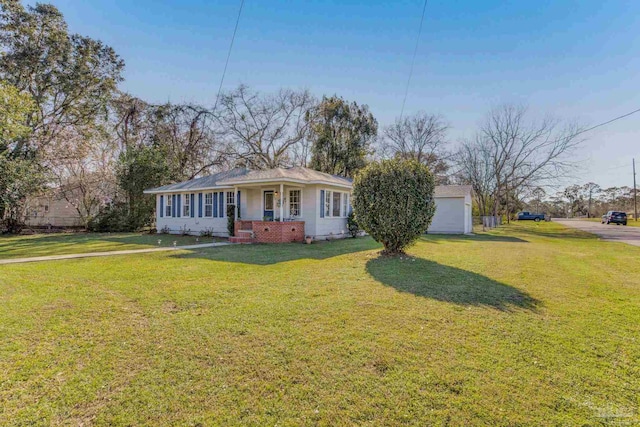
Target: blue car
{"x": 528, "y": 216}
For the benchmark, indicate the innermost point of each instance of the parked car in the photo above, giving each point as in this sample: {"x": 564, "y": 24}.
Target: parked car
{"x": 614, "y": 217}
{"x": 529, "y": 216}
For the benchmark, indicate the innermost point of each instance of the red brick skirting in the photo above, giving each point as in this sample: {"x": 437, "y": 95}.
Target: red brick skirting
{"x": 274, "y": 232}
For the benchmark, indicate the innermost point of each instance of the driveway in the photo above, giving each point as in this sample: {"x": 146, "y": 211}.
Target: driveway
{"x": 610, "y": 232}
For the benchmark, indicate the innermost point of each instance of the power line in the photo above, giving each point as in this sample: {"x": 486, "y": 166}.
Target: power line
{"x": 226, "y": 64}
{"x": 413, "y": 60}
{"x": 606, "y": 123}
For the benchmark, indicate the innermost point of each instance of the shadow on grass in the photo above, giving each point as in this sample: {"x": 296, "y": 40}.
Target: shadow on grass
{"x": 450, "y": 284}
{"x": 266, "y": 254}
{"x": 480, "y": 237}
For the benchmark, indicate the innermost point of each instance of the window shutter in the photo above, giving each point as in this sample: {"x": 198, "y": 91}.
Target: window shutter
{"x": 215, "y": 205}
{"x": 179, "y": 208}
{"x": 173, "y": 205}
{"x": 321, "y": 203}
{"x": 200, "y": 205}
{"x": 221, "y": 201}
{"x": 192, "y": 209}
{"x": 238, "y": 204}
{"x": 161, "y": 206}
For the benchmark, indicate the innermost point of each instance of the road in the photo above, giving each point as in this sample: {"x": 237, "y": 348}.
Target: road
{"x": 610, "y": 232}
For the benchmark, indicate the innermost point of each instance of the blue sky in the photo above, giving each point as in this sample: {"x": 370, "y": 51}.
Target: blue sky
{"x": 577, "y": 60}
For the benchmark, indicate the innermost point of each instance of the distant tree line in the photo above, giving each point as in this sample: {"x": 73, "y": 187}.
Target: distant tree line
{"x": 586, "y": 200}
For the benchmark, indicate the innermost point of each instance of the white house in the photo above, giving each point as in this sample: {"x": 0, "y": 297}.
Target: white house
{"x": 276, "y": 205}
{"x": 280, "y": 205}
{"x": 453, "y": 210}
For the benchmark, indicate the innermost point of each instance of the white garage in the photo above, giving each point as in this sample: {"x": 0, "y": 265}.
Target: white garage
{"x": 453, "y": 210}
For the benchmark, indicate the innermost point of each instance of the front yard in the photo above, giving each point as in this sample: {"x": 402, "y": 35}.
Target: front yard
{"x": 531, "y": 324}
{"x": 73, "y": 243}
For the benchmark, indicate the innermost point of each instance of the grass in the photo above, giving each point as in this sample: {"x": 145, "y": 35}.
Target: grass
{"x": 531, "y": 324}
{"x": 73, "y": 243}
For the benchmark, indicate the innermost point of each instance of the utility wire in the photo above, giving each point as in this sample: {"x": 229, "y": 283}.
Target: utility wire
{"x": 413, "y": 60}
{"x": 226, "y": 64}
{"x": 606, "y": 123}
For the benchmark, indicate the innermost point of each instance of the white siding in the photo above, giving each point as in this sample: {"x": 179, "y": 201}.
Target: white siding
{"x": 451, "y": 217}
{"x": 325, "y": 227}
{"x": 193, "y": 225}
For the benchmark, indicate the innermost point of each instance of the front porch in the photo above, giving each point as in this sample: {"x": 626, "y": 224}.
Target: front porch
{"x": 249, "y": 231}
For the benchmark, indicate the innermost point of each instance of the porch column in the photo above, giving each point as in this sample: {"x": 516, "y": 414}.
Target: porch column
{"x": 235, "y": 211}
{"x": 281, "y": 202}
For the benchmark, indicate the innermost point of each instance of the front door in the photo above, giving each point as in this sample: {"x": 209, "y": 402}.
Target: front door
{"x": 268, "y": 206}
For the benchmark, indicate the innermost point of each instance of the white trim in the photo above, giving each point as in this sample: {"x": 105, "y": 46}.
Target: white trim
{"x": 204, "y": 205}
{"x": 300, "y": 204}
{"x": 329, "y": 194}
{"x": 185, "y": 197}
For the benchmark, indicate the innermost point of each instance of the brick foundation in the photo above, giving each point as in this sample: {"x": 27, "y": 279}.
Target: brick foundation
{"x": 274, "y": 232}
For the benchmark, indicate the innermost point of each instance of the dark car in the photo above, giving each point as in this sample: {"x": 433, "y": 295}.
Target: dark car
{"x": 524, "y": 216}
{"x": 614, "y": 217}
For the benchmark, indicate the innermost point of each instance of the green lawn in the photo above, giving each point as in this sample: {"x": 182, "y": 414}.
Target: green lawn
{"x": 73, "y": 243}
{"x": 531, "y": 324}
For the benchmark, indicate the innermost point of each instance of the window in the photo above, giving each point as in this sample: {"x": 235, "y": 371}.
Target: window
{"x": 336, "y": 203}
{"x": 167, "y": 209}
{"x": 345, "y": 205}
{"x": 294, "y": 203}
{"x": 208, "y": 204}
{"x": 186, "y": 208}
{"x": 327, "y": 203}
{"x": 231, "y": 200}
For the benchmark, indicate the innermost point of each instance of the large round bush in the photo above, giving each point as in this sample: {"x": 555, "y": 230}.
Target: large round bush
{"x": 393, "y": 202}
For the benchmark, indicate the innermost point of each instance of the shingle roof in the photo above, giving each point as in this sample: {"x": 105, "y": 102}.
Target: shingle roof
{"x": 210, "y": 181}
{"x": 452, "y": 190}
{"x": 293, "y": 174}
{"x": 242, "y": 176}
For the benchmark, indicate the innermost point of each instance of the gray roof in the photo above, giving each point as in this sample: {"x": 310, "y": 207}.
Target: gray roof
{"x": 245, "y": 176}
{"x": 297, "y": 174}
{"x": 205, "y": 182}
{"x": 452, "y": 190}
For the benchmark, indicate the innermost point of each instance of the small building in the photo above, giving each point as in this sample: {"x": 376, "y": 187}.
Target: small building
{"x": 281, "y": 205}
{"x": 453, "y": 210}
{"x": 51, "y": 210}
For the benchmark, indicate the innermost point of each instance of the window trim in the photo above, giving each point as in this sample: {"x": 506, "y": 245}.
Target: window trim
{"x": 299, "y": 190}
{"x": 186, "y": 205}
{"x": 204, "y": 209}
{"x": 333, "y": 204}
{"x": 167, "y": 207}
{"x": 328, "y": 205}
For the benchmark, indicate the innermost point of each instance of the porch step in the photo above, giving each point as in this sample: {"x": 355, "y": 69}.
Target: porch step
{"x": 241, "y": 239}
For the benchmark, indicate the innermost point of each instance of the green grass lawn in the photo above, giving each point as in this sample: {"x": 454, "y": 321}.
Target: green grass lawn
{"x": 531, "y": 324}
{"x": 73, "y": 243}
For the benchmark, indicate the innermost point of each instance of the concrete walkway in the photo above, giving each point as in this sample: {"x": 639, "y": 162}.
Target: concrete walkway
{"x": 111, "y": 253}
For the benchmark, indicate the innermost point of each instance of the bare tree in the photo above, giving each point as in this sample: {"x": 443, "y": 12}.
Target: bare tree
{"x": 475, "y": 167}
{"x": 187, "y": 135}
{"x": 83, "y": 171}
{"x": 525, "y": 153}
{"x": 262, "y": 131}
{"x": 421, "y": 137}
